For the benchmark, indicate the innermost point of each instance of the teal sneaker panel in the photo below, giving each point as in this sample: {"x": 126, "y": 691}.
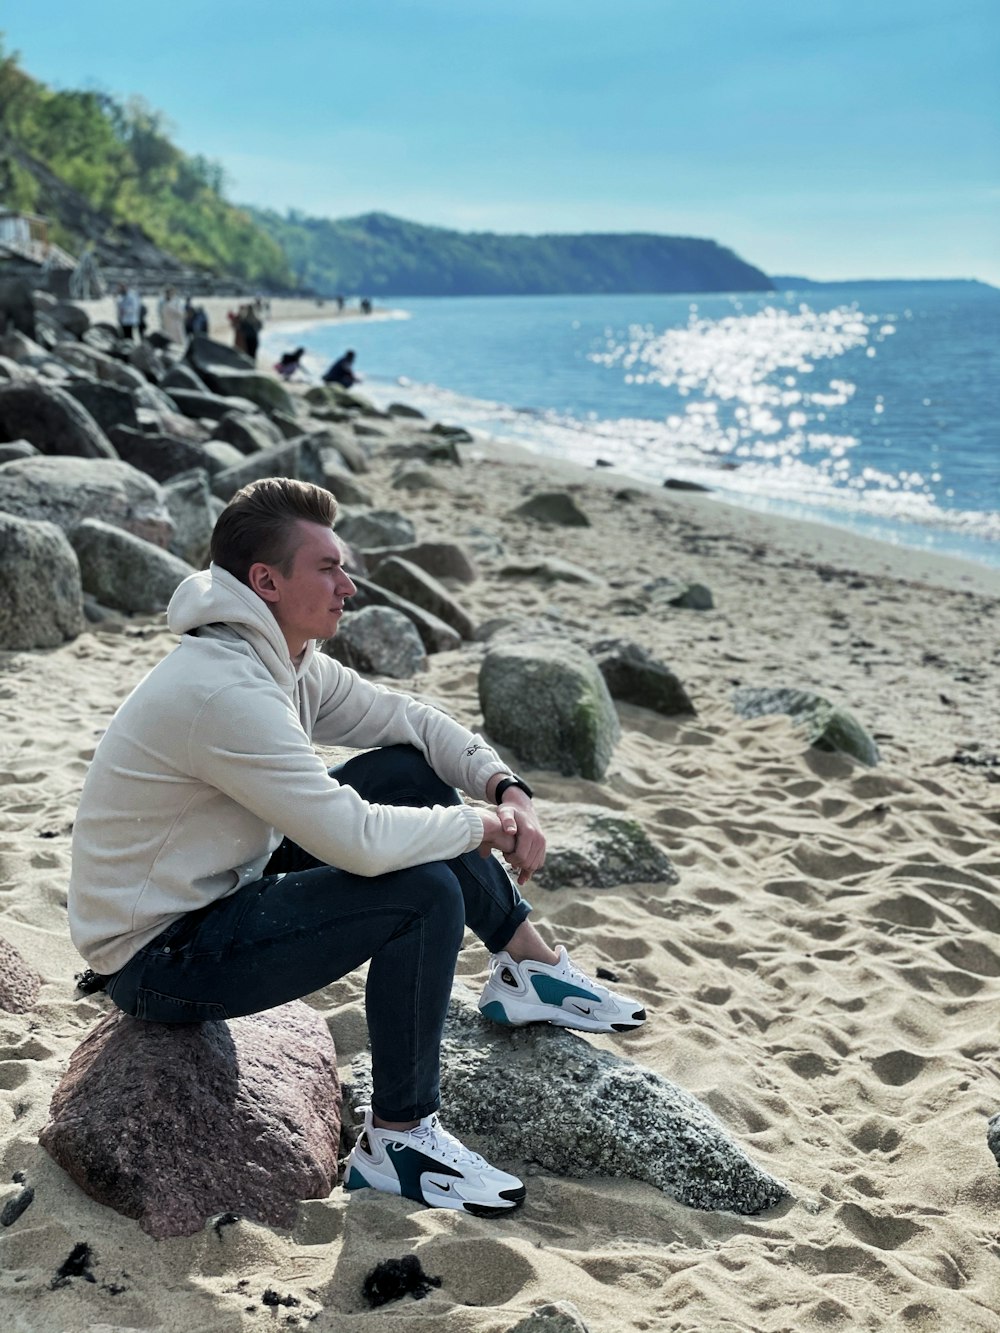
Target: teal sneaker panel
{"x": 551, "y": 990}
{"x": 355, "y": 1181}
{"x": 410, "y": 1164}
{"x": 495, "y": 1011}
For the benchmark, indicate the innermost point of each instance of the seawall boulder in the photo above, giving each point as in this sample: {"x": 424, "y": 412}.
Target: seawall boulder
{"x": 41, "y": 598}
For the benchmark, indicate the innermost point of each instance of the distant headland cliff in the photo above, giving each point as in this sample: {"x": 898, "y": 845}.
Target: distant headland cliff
{"x": 388, "y": 256}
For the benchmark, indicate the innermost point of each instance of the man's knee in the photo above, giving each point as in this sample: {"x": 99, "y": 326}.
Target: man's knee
{"x": 413, "y": 773}
{"x": 434, "y": 892}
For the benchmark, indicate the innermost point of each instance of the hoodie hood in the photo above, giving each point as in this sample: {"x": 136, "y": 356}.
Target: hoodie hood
{"x": 214, "y": 603}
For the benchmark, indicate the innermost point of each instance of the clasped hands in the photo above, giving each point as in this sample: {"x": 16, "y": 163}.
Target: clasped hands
{"x": 514, "y": 830}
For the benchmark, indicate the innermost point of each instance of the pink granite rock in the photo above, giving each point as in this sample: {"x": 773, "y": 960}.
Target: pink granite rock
{"x": 171, "y": 1124}
{"x": 19, "y": 982}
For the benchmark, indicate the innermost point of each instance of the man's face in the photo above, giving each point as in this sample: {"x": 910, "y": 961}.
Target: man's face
{"x": 310, "y": 600}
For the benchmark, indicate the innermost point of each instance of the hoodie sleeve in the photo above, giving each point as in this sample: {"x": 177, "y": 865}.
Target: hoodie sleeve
{"x": 248, "y": 743}
{"x": 355, "y": 712}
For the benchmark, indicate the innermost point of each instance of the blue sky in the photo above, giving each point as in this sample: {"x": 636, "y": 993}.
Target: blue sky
{"x": 834, "y": 138}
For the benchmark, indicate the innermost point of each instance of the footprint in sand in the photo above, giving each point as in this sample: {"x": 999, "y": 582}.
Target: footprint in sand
{"x": 885, "y": 1233}
{"x": 898, "y": 1067}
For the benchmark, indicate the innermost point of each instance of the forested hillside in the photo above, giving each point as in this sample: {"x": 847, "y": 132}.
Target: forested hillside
{"x": 386, "y": 256}
{"x": 119, "y": 159}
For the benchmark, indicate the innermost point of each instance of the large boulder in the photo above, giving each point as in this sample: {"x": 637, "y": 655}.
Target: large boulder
{"x": 436, "y": 636}
{"x": 378, "y": 641}
{"x": 300, "y": 458}
{"x": 549, "y": 703}
{"x": 17, "y": 449}
{"x": 634, "y": 677}
{"x": 549, "y": 571}
{"x": 228, "y": 371}
{"x": 73, "y": 318}
{"x": 365, "y": 528}
{"x": 342, "y": 446}
{"x": 103, "y": 337}
{"x": 250, "y": 434}
{"x": 190, "y": 503}
{"x": 826, "y": 725}
{"x": 173, "y": 1124}
{"x": 208, "y": 406}
{"x": 41, "y": 599}
{"x": 159, "y": 456}
{"x": 556, "y": 507}
{"x": 19, "y": 982}
{"x": 51, "y": 420}
{"x": 67, "y": 490}
{"x": 263, "y": 390}
{"x": 443, "y": 560}
{"x": 342, "y": 483}
{"x": 123, "y": 571}
{"x": 181, "y": 376}
{"x": 591, "y": 847}
{"x": 17, "y": 309}
{"x": 109, "y": 405}
{"x": 423, "y": 590}
{"x": 579, "y": 1111}
{"x": 94, "y": 363}
{"x": 222, "y": 455}
{"x": 206, "y": 356}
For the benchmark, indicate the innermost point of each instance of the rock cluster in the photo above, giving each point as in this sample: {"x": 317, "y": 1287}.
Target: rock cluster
{"x": 116, "y": 458}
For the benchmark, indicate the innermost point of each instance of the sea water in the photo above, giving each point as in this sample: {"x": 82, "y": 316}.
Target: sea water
{"x": 875, "y": 408}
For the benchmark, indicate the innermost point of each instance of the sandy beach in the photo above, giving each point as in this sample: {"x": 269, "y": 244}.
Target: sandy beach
{"x": 280, "y": 310}
{"x": 825, "y": 976}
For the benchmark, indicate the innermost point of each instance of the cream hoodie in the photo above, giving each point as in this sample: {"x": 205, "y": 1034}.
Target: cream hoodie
{"x": 210, "y": 761}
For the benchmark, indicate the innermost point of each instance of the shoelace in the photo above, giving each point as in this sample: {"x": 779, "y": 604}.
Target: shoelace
{"x": 439, "y": 1140}
{"x": 572, "y": 973}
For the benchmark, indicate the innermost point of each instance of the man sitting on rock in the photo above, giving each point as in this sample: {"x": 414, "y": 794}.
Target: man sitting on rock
{"x": 219, "y": 869}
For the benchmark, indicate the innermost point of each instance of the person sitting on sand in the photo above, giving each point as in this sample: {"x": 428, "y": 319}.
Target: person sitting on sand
{"x": 342, "y": 372}
{"x": 218, "y": 867}
{"x": 289, "y": 362}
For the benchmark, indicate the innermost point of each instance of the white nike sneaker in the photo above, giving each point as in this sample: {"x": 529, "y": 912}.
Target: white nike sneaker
{"x": 529, "y": 992}
{"x": 430, "y": 1165}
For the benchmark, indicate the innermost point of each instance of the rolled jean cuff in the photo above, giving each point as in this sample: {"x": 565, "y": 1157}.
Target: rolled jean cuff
{"x": 415, "y": 1112}
{"x": 501, "y": 937}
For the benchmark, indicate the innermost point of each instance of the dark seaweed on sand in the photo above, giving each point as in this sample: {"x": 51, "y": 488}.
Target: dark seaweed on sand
{"x": 393, "y": 1278}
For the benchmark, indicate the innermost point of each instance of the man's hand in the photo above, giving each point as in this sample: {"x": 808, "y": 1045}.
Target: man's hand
{"x": 529, "y": 845}
{"x": 499, "y": 831}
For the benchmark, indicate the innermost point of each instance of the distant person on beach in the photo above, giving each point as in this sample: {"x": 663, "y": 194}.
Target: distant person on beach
{"x": 128, "y": 306}
{"x": 219, "y": 868}
{"x": 289, "y": 362}
{"x": 342, "y": 372}
{"x": 171, "y": 312}
{"x": 195, "y": 318}
{"x": 365, "y": 305}
{"x": 250, "y": 324}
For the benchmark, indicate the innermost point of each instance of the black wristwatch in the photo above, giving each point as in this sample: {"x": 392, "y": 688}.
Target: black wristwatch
{"x": 512, "y": 781}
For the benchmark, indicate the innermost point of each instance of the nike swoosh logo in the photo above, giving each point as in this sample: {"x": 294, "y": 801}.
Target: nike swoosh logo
{"x": 582, "y": 1009}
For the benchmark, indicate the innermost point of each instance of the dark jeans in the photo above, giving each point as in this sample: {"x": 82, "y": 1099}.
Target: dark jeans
{"x": 305, "y": 924}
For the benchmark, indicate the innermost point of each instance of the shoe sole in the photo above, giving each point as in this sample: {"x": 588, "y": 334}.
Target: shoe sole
{"x": 355, "y": 1179}
{"x": 512, "y": 1013}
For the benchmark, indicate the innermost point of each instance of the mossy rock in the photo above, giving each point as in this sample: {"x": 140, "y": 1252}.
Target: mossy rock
{"x": 826, "y": 725}
{"x": 591, "y": 847}
{"x": 550, "y": 705}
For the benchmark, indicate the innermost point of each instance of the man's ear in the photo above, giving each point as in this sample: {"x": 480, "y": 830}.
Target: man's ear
{"x": 261, "y": 580}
